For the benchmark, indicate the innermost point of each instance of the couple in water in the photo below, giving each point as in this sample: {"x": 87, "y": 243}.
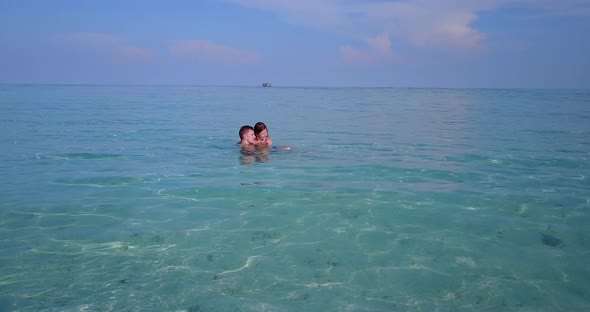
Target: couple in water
{"x": 257, "y": 136}
{"x": 255, "y": 143}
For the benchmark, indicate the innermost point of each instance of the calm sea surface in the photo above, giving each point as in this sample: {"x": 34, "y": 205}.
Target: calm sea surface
{"x": 137, "y": 198}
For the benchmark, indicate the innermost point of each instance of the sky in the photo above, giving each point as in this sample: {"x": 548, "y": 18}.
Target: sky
{"x": 328, "y": 43}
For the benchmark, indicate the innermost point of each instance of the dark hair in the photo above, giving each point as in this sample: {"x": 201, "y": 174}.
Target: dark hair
{"x": 259, "y": 127}
{"x": 243, "y": 130}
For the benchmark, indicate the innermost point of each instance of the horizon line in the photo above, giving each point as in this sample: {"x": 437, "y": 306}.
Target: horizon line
{"x": 282, "y": 86}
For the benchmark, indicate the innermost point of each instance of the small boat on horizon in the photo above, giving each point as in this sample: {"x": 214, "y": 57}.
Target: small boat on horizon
{"x": 266, "y": 84}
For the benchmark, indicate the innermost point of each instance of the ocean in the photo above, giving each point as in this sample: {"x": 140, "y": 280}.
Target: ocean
{"x": 137, "y": 198}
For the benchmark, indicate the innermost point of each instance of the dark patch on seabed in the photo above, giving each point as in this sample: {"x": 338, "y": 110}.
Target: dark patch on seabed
{"x": 5, "y": 305}
{"x": 551, "y": 240}
{"x": 91, "y": 155}
{"x": 194, "y": 308}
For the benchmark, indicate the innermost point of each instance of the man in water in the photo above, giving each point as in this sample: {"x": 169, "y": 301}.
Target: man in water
{"x": 247, "y": 136}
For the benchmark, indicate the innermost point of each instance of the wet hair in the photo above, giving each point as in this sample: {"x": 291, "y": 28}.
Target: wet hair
{"x": 259, "y": 127}
{"x": 243, "y": 131}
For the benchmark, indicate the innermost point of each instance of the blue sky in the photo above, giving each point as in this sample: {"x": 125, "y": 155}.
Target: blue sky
{"x": 411, "y": 43}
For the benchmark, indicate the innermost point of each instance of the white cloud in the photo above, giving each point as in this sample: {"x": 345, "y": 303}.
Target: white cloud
{"x": 203, "y": 50}
{"x": 378, "y": 50}
{"x": 434, "y": 24}
{"x": 422, "y": 22}
{"x": 105, "y": 44}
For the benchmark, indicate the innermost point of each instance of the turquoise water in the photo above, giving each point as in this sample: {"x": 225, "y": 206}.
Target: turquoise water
{"x": 136, "y": 198}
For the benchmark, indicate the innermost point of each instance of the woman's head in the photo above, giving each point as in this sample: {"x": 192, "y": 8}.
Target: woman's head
{"x": 260, "y": 130}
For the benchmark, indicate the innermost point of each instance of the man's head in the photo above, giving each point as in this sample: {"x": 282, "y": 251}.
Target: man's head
{"x": 247, "y": 134}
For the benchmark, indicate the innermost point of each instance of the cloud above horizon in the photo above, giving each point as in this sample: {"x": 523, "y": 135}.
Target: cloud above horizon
{"x": 378, "y": 50}
{"x": 433, "y": 24}
{"x": 104, "y": 44}
{"x": 207, "y": 51}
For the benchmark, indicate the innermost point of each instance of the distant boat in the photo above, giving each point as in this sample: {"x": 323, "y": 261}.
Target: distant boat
{"x": 266, "y": 84}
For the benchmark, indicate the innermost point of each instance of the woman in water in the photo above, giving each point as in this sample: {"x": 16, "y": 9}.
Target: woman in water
{"x": 261, "y": 133}
{"x": 262, "y": 137}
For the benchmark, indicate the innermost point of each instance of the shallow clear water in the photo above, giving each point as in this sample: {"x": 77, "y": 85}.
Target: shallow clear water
{"x": 136, "y": 198}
